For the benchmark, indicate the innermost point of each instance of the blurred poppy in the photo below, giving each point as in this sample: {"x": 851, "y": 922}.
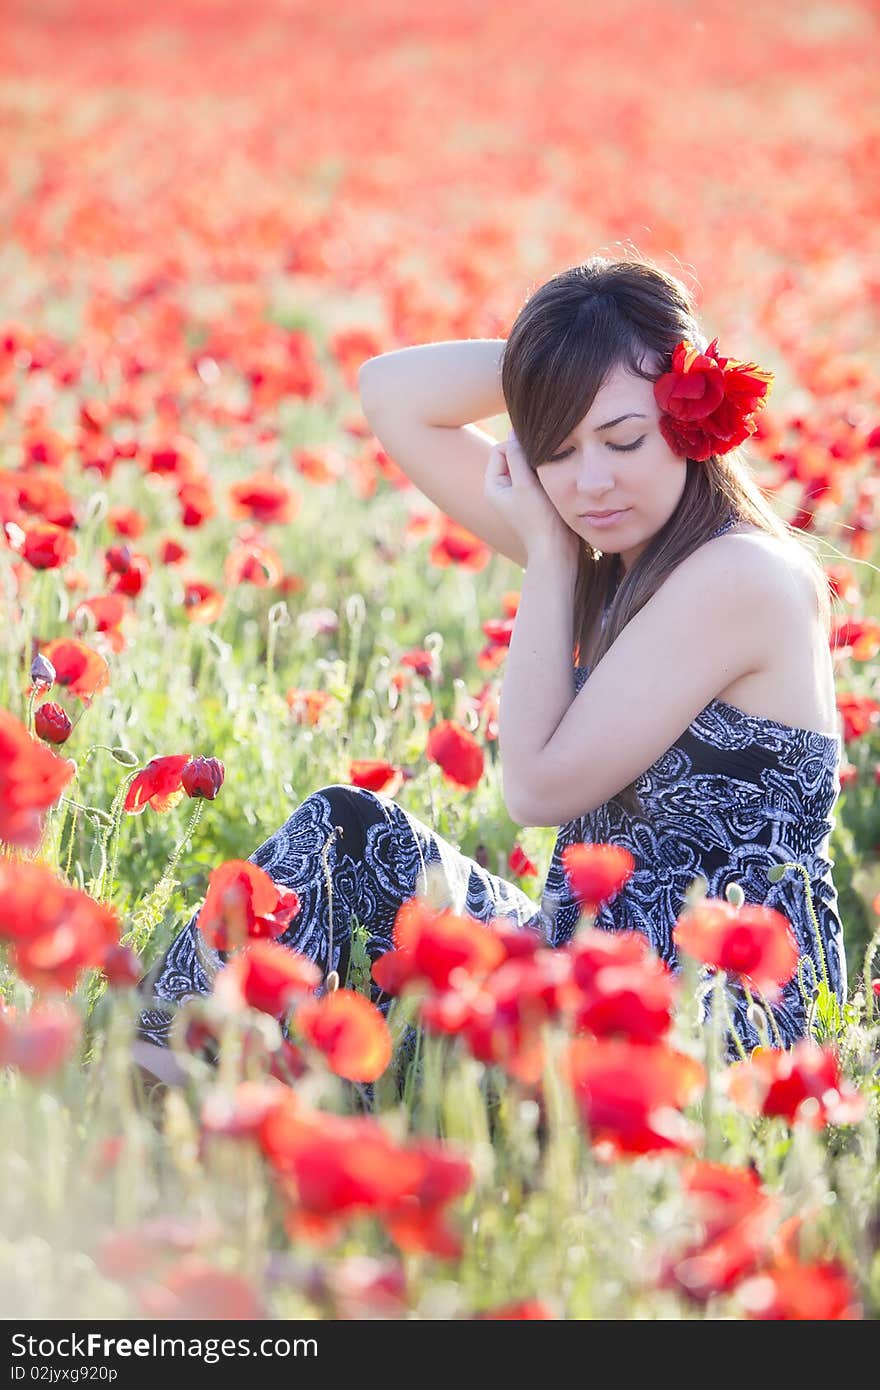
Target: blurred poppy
{"x": 630, "y": 1095}
{"x": 751, "y": 942}
{"x": 349, "y": 1031}
{"x": 456, "y": 752}
{"x": 267, "y": 977}
{"x": 242, "y": 903}
{"x": 596, "y": 872}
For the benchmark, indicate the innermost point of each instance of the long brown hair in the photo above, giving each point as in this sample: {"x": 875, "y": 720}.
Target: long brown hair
{"x": 567, "y": 338}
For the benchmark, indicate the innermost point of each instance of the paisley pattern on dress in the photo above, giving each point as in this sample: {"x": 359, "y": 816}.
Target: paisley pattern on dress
{"x": 345, "y": 851}
{"x": 734, "y": 795}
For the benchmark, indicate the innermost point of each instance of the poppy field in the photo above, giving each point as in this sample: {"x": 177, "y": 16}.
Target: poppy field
{"x": 219, "y": 593}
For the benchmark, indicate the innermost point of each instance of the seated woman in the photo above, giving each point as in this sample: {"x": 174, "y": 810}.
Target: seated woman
{"x": 669, "y": 685}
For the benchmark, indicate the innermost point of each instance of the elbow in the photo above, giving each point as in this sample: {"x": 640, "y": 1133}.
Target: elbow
{"x": 513, "y": 804}
{"x": 366, "y": 379}
{"x": 529, "y": 808}
{"x": 522, "y": 809}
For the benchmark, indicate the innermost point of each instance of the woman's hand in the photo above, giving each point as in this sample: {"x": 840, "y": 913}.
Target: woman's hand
{"x": 516, "y": 493}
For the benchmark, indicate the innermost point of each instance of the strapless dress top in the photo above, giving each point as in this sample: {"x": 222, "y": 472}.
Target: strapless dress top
{"x": 735, "y": 794}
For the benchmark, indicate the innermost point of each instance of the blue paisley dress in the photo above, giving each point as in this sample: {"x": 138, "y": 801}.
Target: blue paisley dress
{"x": 734, "y": 795}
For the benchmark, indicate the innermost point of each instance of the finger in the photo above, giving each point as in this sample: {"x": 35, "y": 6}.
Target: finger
{"x": 515, "y": 451}
{"x": 497, "y": 465}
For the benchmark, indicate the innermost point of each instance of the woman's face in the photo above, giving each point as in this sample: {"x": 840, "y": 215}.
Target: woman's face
{"x": 609, "y": 463}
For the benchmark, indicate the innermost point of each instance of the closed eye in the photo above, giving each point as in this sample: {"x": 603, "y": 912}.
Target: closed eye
{"x": 618, "y": 448}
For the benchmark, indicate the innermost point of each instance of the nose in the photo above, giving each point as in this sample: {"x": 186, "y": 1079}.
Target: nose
{"x": 592, "y": 482}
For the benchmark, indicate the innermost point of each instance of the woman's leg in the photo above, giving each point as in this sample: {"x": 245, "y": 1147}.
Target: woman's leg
{"x": 345, "y": 851}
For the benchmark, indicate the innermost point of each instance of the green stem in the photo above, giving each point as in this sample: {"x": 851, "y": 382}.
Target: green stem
{"x": 115, "y": 833}
{"x": 768, "y": 1009}
{"x": 870, "y": 952}
{"x": 813, "y": 917}
{"x": 328, "y": 879}
{"x": 732, "y": 1029}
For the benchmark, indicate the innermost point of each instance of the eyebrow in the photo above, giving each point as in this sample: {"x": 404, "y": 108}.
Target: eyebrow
{"x": 608, "y": 423}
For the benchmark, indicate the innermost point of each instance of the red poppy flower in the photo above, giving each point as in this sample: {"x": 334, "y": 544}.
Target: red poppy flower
{"x": 431, "y": 946}
{"x": 376, "y": 775}
{"x": 202, "y": 603}
{"x": 351, "y": 347}
{"x": 795, "y": 1292}
{"x": 416, "y": 1218}
{"x": 177, "y": 455}
{"x": 39, "y": 1042}
{"x": 122, "y": 967}
{"x": 77, "y": 666}
{"x": 499, "y": 631}
{"x": 264, "y": 497}
{"x": 596, "y": 872}
{"x": 708, "y": 401}
{"x": 158, "y": 785}
{"x": 41, "y": 494}
{"x": 195, "y": 1290}
{"x": 243, "y": 903}
{"x": 527, "y": 1310}
{"x": 855, "y": 638}
{"x": 117, "y": 559}
{"x": 350, "y": 1032}
{"x": 171, "y": 552}
{"x": 126, "y": 521}
{"x": 751, "y": 942}
{"x": 307, "y": 706}
{"x": 78, "y": 941}
{"x": 240, "y": 1114}
{"x": 106, "y": 612}
{"x": 133, "y": 579}
{"x": 859, "y": 714}
{"x": 267, "y": 977}
{"x": 455, "y": 545}
{"x": 252, "y": 563}
{"x": 424, "y": 663}
{"x": 322, "y": 469}
{"x": 457, "y": 753}
{"x": 502, "y": 1019}
{"x": 47, "y": 546}
{"x": 802, "y": 1083}
{"x": 363, "y": 1168}
{"x": 520, "y": 864}
{"x": 594, "y": 949}
{"x": 56, "y": 930}
{"x": 31, "y": 780}
{"x": 632, "y": 1001}
{"x": 738, "y": 1219}
{"x": 630, "y": 1095}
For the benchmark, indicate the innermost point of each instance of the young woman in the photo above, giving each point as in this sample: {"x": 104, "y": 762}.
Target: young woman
{"x": 706, "y": 739}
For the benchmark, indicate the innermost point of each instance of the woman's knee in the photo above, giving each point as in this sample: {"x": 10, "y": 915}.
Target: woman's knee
{"x": 344, "y": 792}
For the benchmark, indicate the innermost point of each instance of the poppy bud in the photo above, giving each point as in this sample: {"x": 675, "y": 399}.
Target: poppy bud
{"x": 734, "y": 894}
{"x": 52, "y": 723}
{"x": 117, "y": 559}
{"x": 203, "y": 777}
{"x": 42, "y": 671}
{"x": 125, "y": 757}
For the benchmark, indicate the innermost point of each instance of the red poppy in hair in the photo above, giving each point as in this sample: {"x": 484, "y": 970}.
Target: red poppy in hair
{"x": 709, "y": 401}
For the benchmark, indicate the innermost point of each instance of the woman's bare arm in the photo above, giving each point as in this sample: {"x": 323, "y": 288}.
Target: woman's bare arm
{"x": 420, "y": 403}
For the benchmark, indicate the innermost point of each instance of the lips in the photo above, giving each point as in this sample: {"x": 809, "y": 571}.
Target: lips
{"x": 597, "y": 516}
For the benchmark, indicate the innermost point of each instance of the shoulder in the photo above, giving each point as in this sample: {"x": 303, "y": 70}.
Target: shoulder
{"x": 765, "y": 566}
{"x": 750, "y": 564}
{"x": 755, "y": 584}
